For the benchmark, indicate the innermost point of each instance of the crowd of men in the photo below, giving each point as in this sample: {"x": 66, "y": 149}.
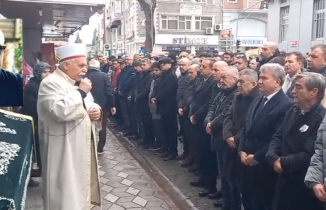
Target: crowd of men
{"x": 251, "y": 124}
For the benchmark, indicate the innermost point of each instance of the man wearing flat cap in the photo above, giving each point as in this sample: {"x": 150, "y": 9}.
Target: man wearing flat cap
{"x": 68, "y": 124}
{"x": 11, "y": 84}
{"x": 165, "y": 98}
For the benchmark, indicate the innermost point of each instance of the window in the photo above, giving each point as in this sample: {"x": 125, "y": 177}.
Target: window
{"x": 318, "y": 19}
{"x": 203, "y": 22}
{"x": 284, "y": 23}
{"x": 232, "y": 1}
{"x": 169, "y": 22}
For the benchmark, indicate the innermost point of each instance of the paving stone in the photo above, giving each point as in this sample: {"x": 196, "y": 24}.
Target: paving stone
{"x": 122, "y": 175}
{"x": 129, "y": 205}
{"x": 125, "y": 185}
{"x": 133, "y": 191}
{"x": 139, "y": 200}
{"x": 116, "y": 207}
{"x": 112, "y": 198}
{"x": 127, "y": 182}
{"x": 106, "y": 188}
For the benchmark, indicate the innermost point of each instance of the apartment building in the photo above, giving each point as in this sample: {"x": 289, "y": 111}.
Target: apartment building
{"x": 247, "y": 20}
{"x": 296, "y": 25}
{"x": 125, "y": 24}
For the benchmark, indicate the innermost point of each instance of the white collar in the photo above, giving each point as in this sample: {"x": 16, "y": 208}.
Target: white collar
{"x": 269, "y": 97}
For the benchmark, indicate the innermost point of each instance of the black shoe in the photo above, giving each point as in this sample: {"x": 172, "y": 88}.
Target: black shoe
{"x": 219, "y": 203}
{"x": 197, "y": 184}
{"x": 165, "y": 154}
{"x": 203, "y": 194}
{"x": 162, "y": 150}
{"x": 181, "y": 157}
{"x": 187, "y": 163}
{"x": 33, "y": 183}
{"x": 216, "y": 195}
{"x": 170, "y": 157}
{"x": 155, "y": 149}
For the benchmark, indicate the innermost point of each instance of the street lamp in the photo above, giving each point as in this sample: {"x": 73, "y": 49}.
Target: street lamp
{"x": 264, "y": 6}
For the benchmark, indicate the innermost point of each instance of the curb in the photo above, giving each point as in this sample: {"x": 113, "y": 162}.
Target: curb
{"x": 173, "y": 193}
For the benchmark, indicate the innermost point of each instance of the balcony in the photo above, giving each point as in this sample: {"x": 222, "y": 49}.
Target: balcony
{"x": 56, "y": 18}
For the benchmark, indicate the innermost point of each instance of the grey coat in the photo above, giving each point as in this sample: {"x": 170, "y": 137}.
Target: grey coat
{"x": 317, "y": 170}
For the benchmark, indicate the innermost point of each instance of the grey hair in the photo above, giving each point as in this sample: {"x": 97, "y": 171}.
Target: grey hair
{"x": 195, "y": 61}
{"x": 251, "y": 74}
{"x": 277, "y": 70}
{"x": 232, "y": 70}
{"x": 94, "y": 63}
{"x": 63, "y": 62}
{"x": 196, "y": 66}
{"x": 313, "y": 80}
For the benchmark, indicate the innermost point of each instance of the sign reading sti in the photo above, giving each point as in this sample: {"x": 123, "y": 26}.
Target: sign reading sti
{"x": 190, "y": 41}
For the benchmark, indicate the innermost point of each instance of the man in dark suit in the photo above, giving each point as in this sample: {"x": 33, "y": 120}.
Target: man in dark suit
{"x": 293, "y": 66}
{"x": 264, "y": 116}
{"x": 11, "y": 84}
{"x": 103, "y": 96}
{"x": 165, "y": 97}
{"x": 197, "y": 114}
{"x": 293, "y": 144}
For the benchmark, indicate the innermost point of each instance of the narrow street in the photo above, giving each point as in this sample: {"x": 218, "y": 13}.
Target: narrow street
{"x": 125, "y": 184}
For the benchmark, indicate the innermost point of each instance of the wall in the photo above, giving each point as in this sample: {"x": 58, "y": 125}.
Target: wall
{"x": 300, "y": 25}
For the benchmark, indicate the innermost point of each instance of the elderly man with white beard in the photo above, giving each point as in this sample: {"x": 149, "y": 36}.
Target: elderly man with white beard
{"x": 68, "y": 124}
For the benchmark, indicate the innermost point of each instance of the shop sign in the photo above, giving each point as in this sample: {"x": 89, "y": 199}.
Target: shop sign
{"x": 193, "y": 9}
{"x": 191, "y": 41}
{"x": 252, "y": 41}
{"x": 171, "y": 39}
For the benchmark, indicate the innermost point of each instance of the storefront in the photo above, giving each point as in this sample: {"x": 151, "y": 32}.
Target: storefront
{"x": 249, "y": 43}
{"x": 195, "y": 44}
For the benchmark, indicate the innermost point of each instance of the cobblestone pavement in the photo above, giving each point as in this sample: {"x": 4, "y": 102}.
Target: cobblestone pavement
{"x": 180, "y": 177}
{"x": 124, "y": 183}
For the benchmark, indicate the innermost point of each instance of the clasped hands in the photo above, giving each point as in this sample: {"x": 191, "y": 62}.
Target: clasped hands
{"x": 248, "y": 159}
{"x": 94, "y": 113}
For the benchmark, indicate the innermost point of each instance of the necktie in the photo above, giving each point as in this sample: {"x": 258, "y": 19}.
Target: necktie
{"x": 261, "y": 105}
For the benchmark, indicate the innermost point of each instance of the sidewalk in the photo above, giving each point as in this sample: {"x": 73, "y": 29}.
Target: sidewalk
{"x": 124, "y": 183}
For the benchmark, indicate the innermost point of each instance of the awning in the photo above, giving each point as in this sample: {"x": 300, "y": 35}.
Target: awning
{"x": 57, "y": 18}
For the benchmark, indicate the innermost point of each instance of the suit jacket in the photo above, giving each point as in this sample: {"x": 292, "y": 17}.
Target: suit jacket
{"x": 11, "y": 88}
{"x": 256, "y": 136}
{"x": 101, "y": 89}
{"x": 201, "y": 99}
{"x": 143, "y": 89}
{"x": 165, "y": 92}
{"x": 294, "y": 144}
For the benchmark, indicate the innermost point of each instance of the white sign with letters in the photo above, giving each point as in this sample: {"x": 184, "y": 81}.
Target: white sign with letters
{"x": 193, "y": 9}
{"x": 171, "y": 39}
{"x": 252, "y": 41}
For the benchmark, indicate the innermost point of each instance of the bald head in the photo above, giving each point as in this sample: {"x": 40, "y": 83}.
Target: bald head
{"x": 268, "y": 49}
{"x": 193, "y": 71}
{"x": 94, "y": 63}
{"x": 185, "y": 60}
{"x": 220, "y": 64}
{"x": 195, "y": 67}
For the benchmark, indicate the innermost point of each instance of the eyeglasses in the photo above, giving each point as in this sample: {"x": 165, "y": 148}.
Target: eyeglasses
{"x": 2, "y": 48}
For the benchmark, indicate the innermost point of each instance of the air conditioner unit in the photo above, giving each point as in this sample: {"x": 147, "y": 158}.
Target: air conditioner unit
{"x": 107, "y": 47}
{"x": 209, "y": 30}
{"x": 217, "y": 27}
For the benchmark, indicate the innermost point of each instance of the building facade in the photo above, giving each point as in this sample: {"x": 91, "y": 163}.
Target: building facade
{"x": 247, "y": 21}
{"x": 191, "y": 26}
{"x": 125, "y": 27}
{"x": 296, "y": 25}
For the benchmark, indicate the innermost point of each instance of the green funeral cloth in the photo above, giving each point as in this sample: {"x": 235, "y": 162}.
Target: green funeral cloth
{"x": 16, "y": 144}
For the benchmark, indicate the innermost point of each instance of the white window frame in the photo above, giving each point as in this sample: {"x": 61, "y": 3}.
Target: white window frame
{"x": 233, "y": 1}
{"x": 284, "y": 23}
{"x": 195, "y": 21}
{"x": 175, "y": 16}
{"x": 318, "y": 24}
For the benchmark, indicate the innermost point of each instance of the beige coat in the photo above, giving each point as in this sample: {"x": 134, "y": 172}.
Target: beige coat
{"x": 69, "y": 160}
